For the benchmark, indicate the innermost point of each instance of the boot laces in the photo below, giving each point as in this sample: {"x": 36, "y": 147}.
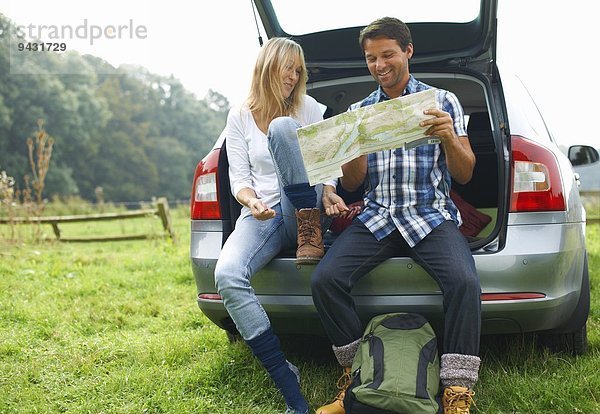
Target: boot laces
{"x": 342, "y": 384}
{"x": 307, "y": 231}
{"x": 459, "y": 402}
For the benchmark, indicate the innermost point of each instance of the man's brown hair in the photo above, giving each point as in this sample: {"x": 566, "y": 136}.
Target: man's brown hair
{"x": 389, "y": 27}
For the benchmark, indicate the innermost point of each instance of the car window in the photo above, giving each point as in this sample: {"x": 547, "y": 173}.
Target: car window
{"x": 311, "y": 16}
{"x": 524, "y": 116}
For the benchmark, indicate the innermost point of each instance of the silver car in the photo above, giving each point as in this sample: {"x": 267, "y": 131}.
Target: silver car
{"x": 530, "y": 256}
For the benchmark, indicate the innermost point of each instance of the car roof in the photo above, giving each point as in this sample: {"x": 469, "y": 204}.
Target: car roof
{"x": 465, "y": 37}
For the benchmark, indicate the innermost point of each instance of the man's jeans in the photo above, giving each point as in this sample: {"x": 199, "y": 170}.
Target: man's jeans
{"x": 254, "y": 243}
{"x": 444, "y": 254}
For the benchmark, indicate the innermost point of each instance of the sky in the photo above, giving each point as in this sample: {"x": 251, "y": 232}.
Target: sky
{"x": 213, "y": 45}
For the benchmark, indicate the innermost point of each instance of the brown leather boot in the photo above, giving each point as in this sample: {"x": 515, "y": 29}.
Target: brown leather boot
{"x": 457, "y": 400}
{"x": 337, "y": 406}
{"x": 310, "y": 241}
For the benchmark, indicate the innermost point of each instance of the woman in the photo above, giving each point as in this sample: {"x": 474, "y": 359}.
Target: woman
{"x": 279, "y": 206}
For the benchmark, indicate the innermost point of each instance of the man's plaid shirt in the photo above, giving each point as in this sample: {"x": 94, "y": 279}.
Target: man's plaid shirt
{"x": 409, "y": 189}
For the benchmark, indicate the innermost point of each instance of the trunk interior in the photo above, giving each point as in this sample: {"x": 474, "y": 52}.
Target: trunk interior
{"x": 479, "y": 197}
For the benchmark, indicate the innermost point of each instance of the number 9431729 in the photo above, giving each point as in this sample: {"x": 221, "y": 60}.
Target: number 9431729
{"x": 41, "y": 47}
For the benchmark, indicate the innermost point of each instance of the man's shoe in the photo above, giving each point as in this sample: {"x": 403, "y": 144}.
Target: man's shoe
{"x": 337, "y": 406}
{"x": 310, "y": 241}
{"x": 457, "y": 400}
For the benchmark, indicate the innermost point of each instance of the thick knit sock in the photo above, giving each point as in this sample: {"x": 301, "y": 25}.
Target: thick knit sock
{"x": 345, "y": 353}
{"x": 267, "y": 349}
{"x": 459, "y": 369}
{"x": 301, "y": 195}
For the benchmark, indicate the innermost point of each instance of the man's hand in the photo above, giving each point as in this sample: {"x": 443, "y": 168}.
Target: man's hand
{"x": 441, "y": 126}
{"x": 333, "y": 204}
{"x": 259, "y": 210}
{"x": 459, "y": 155}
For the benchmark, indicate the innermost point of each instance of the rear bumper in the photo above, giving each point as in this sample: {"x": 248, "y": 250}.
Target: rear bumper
{"x": 542, "y": 258}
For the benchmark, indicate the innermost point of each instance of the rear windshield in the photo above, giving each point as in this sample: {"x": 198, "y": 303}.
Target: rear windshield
{"x": 524, "y": 117}
{"x": 309, "y": 16}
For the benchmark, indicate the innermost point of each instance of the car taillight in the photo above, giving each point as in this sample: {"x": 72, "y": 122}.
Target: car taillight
{"x": 205, "y": 193}
{"x": 536, "y": 181}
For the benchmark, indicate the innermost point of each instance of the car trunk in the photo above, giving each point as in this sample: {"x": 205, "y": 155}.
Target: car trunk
{"x": 455, "y": 55}
{"x": 474, "y": 91}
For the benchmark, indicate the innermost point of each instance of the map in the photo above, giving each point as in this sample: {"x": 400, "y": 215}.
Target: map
{"x": 328, "y": 144}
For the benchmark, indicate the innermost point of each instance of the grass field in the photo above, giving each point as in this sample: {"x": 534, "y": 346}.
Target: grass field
{"x": 114, "y": 328}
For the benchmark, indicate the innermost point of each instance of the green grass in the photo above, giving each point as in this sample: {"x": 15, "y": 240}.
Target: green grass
{"x": 591, "y": 202}
{"x": 114, "y": 328}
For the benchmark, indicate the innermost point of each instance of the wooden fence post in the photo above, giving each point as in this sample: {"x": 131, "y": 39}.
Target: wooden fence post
{"x": 162, "y": 206}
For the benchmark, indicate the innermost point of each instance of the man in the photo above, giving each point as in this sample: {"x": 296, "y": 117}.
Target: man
{"x": 408, "y": 211}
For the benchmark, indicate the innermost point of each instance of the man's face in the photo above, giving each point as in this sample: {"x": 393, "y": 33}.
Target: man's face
{"x": 388, "y": 64}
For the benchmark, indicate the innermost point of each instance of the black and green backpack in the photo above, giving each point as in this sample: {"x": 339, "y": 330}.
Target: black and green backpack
{"x": 396, "y": 368}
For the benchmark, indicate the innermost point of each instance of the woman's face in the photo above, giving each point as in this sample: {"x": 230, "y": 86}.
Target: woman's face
{"x": 290, "y": 76}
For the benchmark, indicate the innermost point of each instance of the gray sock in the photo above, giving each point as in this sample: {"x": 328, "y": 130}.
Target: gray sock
{"x": 345, "y": 353}
{"x": 459, "y": 369}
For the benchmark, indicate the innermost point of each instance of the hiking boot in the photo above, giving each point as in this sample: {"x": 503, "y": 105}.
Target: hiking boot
{"x": 457, "y": 400}
{"x": 310, "y": 241}
{"x": 337, "y": 406}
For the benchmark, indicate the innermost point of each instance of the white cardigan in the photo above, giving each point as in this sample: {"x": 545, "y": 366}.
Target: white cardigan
{"x": 250, "y": 163}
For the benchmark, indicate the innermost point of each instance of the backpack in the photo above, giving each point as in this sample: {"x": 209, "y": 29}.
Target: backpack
{"x": 396, "y": 368}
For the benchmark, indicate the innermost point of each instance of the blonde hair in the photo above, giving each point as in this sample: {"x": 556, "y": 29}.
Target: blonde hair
{"x": 266, "y": 100}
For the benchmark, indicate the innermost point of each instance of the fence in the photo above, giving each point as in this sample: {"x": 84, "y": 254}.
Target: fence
{"x": 161, "y": 210}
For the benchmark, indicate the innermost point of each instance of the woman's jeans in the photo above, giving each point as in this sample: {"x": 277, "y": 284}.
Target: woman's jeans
{"x": 254, "y": 243}
{"x": 443, "y": 253}
{"x": 285, "y": 150}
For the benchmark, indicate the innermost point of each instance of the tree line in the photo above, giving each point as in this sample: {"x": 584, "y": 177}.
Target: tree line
{"x": 131, "y": 133}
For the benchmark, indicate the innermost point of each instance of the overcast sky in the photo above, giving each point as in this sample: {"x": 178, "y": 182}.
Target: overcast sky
{"x": 213, "y": 45}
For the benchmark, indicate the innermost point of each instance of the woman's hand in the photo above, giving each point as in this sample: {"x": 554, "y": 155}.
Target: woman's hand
{"x": 260, "y": 210}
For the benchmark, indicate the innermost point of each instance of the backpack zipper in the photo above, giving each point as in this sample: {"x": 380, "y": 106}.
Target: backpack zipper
{"x": 376, "y": 352}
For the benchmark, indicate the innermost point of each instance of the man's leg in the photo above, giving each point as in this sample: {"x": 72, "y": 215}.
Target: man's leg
{"x": 353, "y": 254}
{"x": 445, "y": 255}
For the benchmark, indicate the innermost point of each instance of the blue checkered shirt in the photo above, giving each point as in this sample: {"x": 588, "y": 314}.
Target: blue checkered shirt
{"x": 409, "y": 189}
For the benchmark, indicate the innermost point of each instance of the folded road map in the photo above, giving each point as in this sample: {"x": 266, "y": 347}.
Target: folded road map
{"x": 328, "y": 144}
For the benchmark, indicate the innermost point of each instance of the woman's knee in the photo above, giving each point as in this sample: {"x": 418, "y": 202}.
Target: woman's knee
{"x": 283, "y": 126}
{"x": 227, "y": 275}
{"x": 220, "y": 277}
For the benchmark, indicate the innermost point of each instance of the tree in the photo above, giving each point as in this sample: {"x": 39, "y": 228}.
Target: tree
{"x": 134, "y": 133}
